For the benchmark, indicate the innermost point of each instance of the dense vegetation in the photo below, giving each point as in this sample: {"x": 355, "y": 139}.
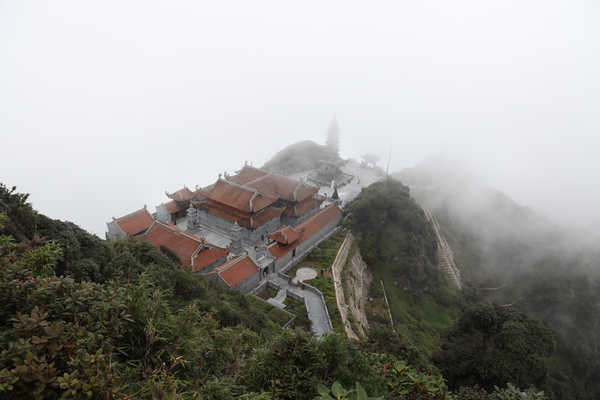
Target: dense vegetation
{"x": 83, "y": 318}
{"x": 394, "y": 235}
{"x": 491, "y": 345}
{"x": 477, "y": 346}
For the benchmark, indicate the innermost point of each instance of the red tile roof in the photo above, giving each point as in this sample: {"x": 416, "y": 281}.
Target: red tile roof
{"x": 303, "y": 207}
{"x": 266, "y": 216}
{"x": 282, "y": 187}
{"x": 136, "y": 222}
{"x": 208, "y": 256}
{"x": 173, "y": 207}
{"x": 181, "y": 243}
{"x": 273, "y": 185}
{"x": 307, "y": 229}
{"x": 184, "y": 194}
{"x": 247, "y": 174}
{"x": 239, "y": 197}
{"x": 237, "y": 270}
{"x": 285, "y": 235}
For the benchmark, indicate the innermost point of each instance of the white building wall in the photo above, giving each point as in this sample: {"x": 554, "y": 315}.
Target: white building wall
{"x": 114, "y": 231}
{"x": 287, "y": 261}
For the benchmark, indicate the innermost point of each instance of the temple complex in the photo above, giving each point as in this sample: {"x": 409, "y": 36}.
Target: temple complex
{"x": 193, "y": 252}
{"x": 255, "y": 200}
{"x": 237, "y": 231}
{"x": 289, "y": 243}
{"x": 176, "y": 209}
{"x": 328, "y": 172}
{"x": 240, "y": 273}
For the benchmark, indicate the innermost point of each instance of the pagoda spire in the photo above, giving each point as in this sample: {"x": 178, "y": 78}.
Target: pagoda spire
{"x": 333, "y": 137}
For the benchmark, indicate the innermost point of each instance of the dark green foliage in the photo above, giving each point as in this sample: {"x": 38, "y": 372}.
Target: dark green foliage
{"x": 321, "y": 259}
{"x": 510, "y": 392}
{"x": 394, "y": 235}
{"x": 171, "y": 254}
{"x": 120, "y": 320}
{"x": 298, "y": 308}
{"x": 543, "y": 276}
{"x": 382, "y": 339}
{"x": 491, "y": 345}
{"x": 294, "y": 365}
{"x": 398, "y": 245}
{"x": 338, "y": 392}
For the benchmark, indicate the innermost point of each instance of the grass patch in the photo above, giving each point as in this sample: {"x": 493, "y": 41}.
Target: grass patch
{"x": 320, "y": 259}
{"x": 298, "y": 308}
{"x": 278, "y": 315}
{"x": 267, "y": 292}
{"x": 419, "y": 316}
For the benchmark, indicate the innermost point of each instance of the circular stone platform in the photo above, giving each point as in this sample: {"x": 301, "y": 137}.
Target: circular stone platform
{"x": 306, "y": 274}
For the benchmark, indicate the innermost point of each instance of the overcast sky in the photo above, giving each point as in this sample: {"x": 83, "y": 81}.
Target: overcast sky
{"x": 106, "y": 104}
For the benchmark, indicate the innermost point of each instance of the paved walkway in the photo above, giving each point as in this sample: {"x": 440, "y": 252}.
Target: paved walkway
{"x": 445, "y": 254}
{"x": 316, "y": 308}
{"x": 362, "y": 177}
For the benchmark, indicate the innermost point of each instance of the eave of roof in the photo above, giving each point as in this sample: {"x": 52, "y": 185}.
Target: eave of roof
{"x": 285, "y": 235}
{"x": 207, "y": 256}
{"x": 237, "y": 270}
{"x": 184, "y": 194}
{"x": 184, "y": 244}
{"x": 135, "y": 222}
{"x": 307, "y": 229}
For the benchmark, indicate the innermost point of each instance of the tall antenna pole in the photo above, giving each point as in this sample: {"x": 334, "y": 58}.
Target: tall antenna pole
{"x": 387, "y": 171}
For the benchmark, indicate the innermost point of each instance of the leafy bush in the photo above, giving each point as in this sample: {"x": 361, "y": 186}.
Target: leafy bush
{"x": 491, "y": 345}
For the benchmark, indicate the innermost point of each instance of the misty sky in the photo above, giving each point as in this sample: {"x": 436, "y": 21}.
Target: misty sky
{"x": 106, "y": 104}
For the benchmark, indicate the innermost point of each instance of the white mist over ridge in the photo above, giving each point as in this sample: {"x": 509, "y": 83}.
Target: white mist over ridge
{"x": 102, "y": 110}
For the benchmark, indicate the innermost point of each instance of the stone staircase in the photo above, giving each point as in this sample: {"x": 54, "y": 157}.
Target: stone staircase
{"x": 279, "y": 298}
{"x": 445, "y": 254}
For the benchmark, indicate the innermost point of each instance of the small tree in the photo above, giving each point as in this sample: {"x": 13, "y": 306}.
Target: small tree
{"x": 370, "y": 159}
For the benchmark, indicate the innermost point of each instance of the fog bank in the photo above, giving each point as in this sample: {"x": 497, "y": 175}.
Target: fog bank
{"x": 103, "y": 106}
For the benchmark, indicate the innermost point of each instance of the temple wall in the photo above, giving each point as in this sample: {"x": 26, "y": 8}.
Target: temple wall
{"x": 114, "y": 231}
{"x": 293, "y": 221}
{"x": 162, "y": 214}
{"x": 249, "y": 237}
{"x": 245, "y": 287}
{"x": 250, "y": 283}
{"x": 263, "y": 230}
{"x": 287, "y": 261}
{"x": 212, "y": 266}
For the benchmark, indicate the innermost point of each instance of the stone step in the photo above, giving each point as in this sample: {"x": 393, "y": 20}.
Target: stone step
{"x": 275, "y": 303}
{"x": 281, "y": 295}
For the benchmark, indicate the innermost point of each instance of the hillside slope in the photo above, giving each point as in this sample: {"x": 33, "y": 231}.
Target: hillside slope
{"x": 121, "y": 320}
{"x": 399, "y": 246}
{"x": 299, "y": 157}
{"x": 416, "y": 312}
{"x": 510, "y": 255}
